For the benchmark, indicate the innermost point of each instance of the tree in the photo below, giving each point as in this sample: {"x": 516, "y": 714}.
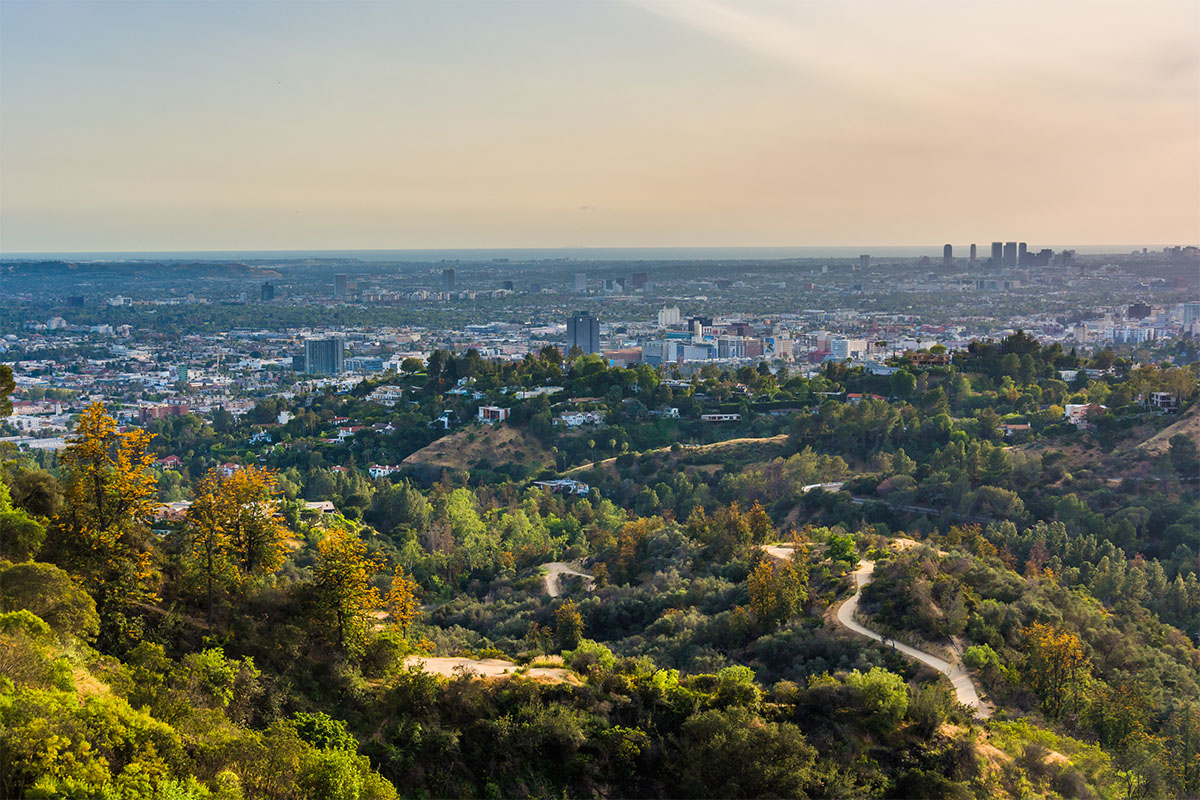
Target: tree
{"x": 235, "y": 528}
{"x": 37, "y": 492}
{"x": 49, "y": 592}
{"x": 885, "y": 695}
{"x": 402, "y": 603}
{"x": 568, "y": 626}
{"x": 1055, "y": 666}
{"x": 21, "y": 536}
{"x": 100, "y": 534}
{"x": 904, "y": 383}
{"x": 777, "y": 590}
{"x": 1185, "y": 456}
{"x": 7, "y": 387}
{"x": 342, "y": 586}
{"x": 735, "y": 753}
{"x": 257, "y": 534}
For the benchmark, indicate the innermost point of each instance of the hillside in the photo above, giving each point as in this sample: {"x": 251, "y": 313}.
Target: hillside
{"x": 1188, "y": 424}
{"x": 744, "y": 449}
{"x": 493, "y": 444}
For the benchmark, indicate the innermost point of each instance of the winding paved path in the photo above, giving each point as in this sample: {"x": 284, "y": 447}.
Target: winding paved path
{"x": 964, "y": 688}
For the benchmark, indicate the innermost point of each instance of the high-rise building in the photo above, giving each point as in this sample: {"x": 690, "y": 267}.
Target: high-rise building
{"x": 583, "y": 331}
{"x": 700, "y": 326}
{"x": 448, "y": 280}
{"x": 1191, "y": 313}
{"x": 973, "y": 253}
{"x": 947, "y": 255}
{"x": 997, "y": 253}
{"x": 268, "y": 292}
{"x": 667, "y": 316}
{"x": 1022, "y": 254}
{"x": 639, "y": 280}
{"x": 1010, "y": 254}
{"x": 340, "y": 284}
{"x": 864, "y": 261}
{"x": 581, "y": 282}
{"x": 325, "y": 356}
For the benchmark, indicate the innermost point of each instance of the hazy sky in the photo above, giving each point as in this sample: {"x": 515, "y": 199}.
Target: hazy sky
{"x": 282, "y": 125}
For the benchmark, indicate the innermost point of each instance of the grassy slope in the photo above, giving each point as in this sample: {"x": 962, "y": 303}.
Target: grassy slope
{"x": 496, "y": 444}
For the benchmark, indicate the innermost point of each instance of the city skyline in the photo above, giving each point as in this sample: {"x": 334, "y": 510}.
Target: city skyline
{"x": 199, "y": 126}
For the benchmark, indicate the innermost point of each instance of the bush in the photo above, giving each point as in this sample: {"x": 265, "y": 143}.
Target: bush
{"x": 589, "y": 658}
{"x": 980, "y": 656}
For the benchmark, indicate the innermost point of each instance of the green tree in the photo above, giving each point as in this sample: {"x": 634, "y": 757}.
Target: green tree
{"x": 733, "y": 753}
{"x": 568, "y": 626}
{"x": 1185, "y": 456}
{"x": 885, "y": 695}
{"x": 21, "y": 536}
{"x": 7, "y": 387}
{"x": 49, "y": 592}
{"x": 904, "y": 383}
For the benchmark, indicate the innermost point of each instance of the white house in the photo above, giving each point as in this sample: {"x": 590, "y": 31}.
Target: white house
{"x": 493, "y": 414}
{"x": 381, "y": 471}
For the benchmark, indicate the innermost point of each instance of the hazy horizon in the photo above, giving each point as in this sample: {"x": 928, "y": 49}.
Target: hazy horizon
{"x": 240, "y": 126}
{"x": 582, "y": 254}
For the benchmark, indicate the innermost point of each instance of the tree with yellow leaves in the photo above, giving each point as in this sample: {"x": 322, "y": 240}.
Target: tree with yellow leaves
{"x": 100, "y": 536}
{"x": 402, "y": 603}
{"x": 777, "y": 589}
{"x": 235, "y": 527}
{"x": 342, "y": 584}
{"x": 1055, "y": 665}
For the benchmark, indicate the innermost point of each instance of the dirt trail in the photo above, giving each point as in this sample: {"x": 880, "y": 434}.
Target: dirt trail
{"x": 689, "y": 449}
{"x": 554, "y": 570}
{"x": 964, "y": 687}
{"x": 484, "y": 667}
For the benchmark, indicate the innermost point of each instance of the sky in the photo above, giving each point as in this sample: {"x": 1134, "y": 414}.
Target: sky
{"x": 224, "y": 125}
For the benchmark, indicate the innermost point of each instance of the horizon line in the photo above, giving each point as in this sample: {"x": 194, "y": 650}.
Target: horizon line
{"x": 1098, "y": 249}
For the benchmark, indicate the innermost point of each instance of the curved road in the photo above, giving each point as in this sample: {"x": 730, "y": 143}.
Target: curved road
{"x": 964, "y": 688}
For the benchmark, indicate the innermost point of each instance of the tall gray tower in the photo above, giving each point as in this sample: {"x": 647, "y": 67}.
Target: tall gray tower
{"x": 583, "y": 331}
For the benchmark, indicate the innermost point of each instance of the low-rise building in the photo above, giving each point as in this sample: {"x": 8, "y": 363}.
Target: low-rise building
{"x": 493, "y": 414}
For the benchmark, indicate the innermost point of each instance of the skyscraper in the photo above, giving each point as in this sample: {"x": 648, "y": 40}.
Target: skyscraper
{"x": 268, "y": 292}
{"x": 1022, "y": 254}
{"x": 340, "y": 282}
{"x": 973, "y": 251}
{"x": 581, "y": 282}
{"x": 448, "y": 280}
{"x": 640, "y": 279}
{"x": 583, "y": 331}
{"x": 325, "y": 356}
{"x": 997, "y": 253}
{"x": 864, "y": 261}
{"x": 1010, "y": 254}
{"x": 948, "y": 255}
